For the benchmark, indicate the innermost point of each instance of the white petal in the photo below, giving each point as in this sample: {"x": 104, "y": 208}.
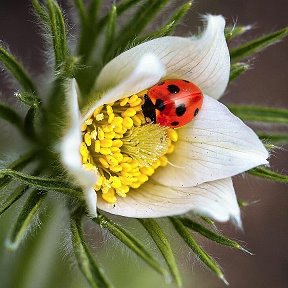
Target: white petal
{"x": 215, "y": 145}
{"x": 90, "y": 197}
{"x": 126, "y": 79}
{"x": 70, "y": 146}
{"x": 204, "y": 60}
{"x": 213, "y": 199}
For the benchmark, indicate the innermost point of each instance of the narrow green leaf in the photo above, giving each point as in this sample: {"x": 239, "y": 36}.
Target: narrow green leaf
{"x": 40, "y": 11}
{"x": 200, "y": 253}
{"x": 232, "y": 32}
{"x": 23, "y": 222}
{"x": 141, "y": 18}
{"x": 93, "y": 10}
{"x": 257, "y": 45}
{"x": 13, "y": 197}
{"x": 43, "y": 183}
{"x": 130, "y": 241}
{"x": 275, "y": 138}
{"x": 110, "y": 32}
{"x": 11, "y": 116}
{"x": 29, "y": 123}
{"x": 85, "y": 260}
{"x": 16, "y": 70}
{"x": 260, "y": 114}
{"x": 218, "y": 238}
{"x": 164, "y": 246}
{"x": 238, "y": 69}
{"x": 58, "y": 32}
{"x": 170, "y": 25}
{"x": 82, "y": 11}
{"x": 18, "y": 164}
{"x": 269, "y": 175}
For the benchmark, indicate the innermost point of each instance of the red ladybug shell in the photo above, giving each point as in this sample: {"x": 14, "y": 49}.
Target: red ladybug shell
{"x": 172, "y": 103}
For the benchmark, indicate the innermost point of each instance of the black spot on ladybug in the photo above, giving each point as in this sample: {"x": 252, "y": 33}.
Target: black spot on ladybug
{"x": 196, "y": 112}
{"x": 174, "y": 123}
{"x": 180, "y": 110}
{"x": 149, "y": 109}
{"x": 159, "y": 105}
{"x": 186, "y": 81}
{"x": 173, "y": 89}
{"x": 160, "y": 83}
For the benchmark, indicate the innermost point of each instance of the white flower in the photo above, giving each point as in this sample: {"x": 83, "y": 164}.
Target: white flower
{"x": 211, "y": 149}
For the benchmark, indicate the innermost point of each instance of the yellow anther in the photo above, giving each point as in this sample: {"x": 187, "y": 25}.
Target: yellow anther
{"x": 97, "y": 146}
{"x": 83, "y": 127}
{"x": 122, "y": 190}
{"x": 111, "y": 118}
{"x": 100, "y": 117}
{"x": 124, "y": 101}
{"x": 104, "y": 162}
{"x": 143, "y": 178}
{"x": 117, "y": 143}
{"x": 126, "y": 167}
{"x": 111, "y": 160}
{"x": 100, "y": 181}
{"x": 84, "y": 150}
{"x": 94, "y": 134}
{"x": 97, "y": 111}
{"x": 129, "y": 112}
{"x": 105, "y": 151}
{"x": 156, "y": 164}
{"x": 137, "y": 121}
{"x": 136, "y": 185}
{"x": 107, "y": 128}
{"x": 119, "y": 128}
{"x": 116, "y": 168}
{"x": 118, "y": 156}
{"x": 110, "y": 196}
{"x": 170, "y": 149}
{"x": 109, "y": 109}
{"x": 101, "y": 134}
{"x": 163, "y": 161}
{"x": 133, "y": 98}
{"x": 89, "y": 121}
{"x": 116, "y": 182}
{"x": 136, "y": 103}
{"x": 117, "y": 121}
{"x": 87, "y": 139}
{"x": 147, "y": 170}
{"x": 106, "y": 143}
{"x": 115, "y": 149}
{"x": 172, "y": 134}
{"x": 128, "y": 122}
{"x": 110, "y": 135}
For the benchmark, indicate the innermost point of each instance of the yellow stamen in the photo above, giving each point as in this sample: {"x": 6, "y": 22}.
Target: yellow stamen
{"x": 122, "y": 148}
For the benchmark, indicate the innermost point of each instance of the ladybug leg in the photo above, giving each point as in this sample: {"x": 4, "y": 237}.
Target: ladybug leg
{"x": 148, "y": 109}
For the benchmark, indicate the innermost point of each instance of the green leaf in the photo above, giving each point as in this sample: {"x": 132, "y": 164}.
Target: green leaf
{"x": 110, "y": 32}
{"x": 129, "y": 240}
{"x": 93, "y": 10}
{"x": 200, "y": 253}
{"x": 11, "y": 116}
{"x": 23, "y": 222}
{"x": 17, "y": 71}
{"x": 29, "y": 123}
{"x": 43, "y": 183}
{"x": 164, "y": 246}
{"x": 232, "y": 32}
{"x": 260, "y": 114}
{"x": 40, "y": 11}
{"x": 238, "y": 69}
{"x": 269, "y": 175}
{"x": 275, "y": 138}
{"x": 81, "y": 11}
{"x": 85, "y": 260}
{"x": 257, "y": 45}
{"x": 218, "y": 238}
{"x": 141, "y": 18}
{"x": 13, "y": 197}
{"x": 18, "y": 164}
{"x": 58, "y": 32}
{"x": 170, "y": 25}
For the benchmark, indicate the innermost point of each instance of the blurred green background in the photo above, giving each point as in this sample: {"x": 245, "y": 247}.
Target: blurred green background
{"x": 45, "y": 259}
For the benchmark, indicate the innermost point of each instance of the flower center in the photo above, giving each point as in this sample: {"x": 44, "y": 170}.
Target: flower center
{"x": 122, "y": 148}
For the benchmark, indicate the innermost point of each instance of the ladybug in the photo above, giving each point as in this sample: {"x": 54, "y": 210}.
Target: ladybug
{"x": 172, "y": 103}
